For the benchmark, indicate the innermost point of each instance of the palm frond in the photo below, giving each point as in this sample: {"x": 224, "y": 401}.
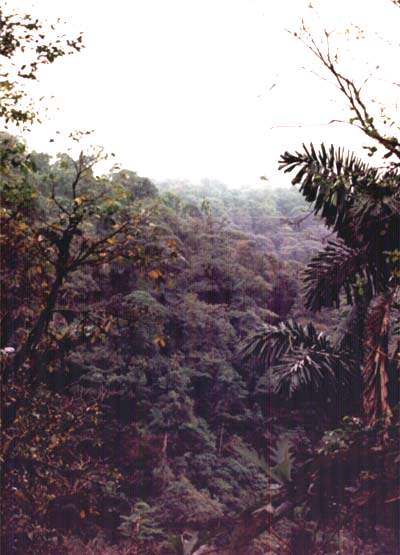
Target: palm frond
{"x": 300, "y": 358}
{"x": 354, "y": 199}
{"x": 375, "y": 217}
{"x": 271, "y": 342}
{"x": 312, "y": 370}
{"x": 337, "y": 268}
{"x": 327, "y": 178}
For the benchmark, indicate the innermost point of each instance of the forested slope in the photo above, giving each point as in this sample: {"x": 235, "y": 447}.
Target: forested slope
{"x": 133, "y": 414}
{"x": 195, "y": 369}
{"x": 144, "y": 343}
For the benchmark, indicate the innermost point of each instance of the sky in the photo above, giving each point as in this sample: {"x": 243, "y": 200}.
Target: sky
{"x": 187, "y": 89}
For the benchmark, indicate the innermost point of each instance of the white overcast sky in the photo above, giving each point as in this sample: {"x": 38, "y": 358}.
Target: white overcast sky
{"x": 206, "y": 88}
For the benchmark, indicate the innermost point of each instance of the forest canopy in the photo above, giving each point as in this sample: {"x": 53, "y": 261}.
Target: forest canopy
{"x": 193, "y": 368}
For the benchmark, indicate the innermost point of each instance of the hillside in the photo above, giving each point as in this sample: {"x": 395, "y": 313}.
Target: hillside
{"x": 136, "y": 417}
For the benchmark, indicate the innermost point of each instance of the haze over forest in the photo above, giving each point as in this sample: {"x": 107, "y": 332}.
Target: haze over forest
{"x": 199, "y": 258}
{"x": 218, "y": 90}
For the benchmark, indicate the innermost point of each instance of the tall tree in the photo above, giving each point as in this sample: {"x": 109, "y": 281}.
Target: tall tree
{"x": 361, "y": 204}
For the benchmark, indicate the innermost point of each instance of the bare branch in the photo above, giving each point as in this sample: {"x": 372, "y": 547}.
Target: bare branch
{"x": 362, "y": 119}
{"x": 95, "y": 248}
{"x": 301, "y": 125}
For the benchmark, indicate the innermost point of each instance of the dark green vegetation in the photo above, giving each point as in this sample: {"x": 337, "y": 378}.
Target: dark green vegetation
{"x": 127, "y": 306}
{"x": 128, "y": 410}
{"x": 197, "y": 369}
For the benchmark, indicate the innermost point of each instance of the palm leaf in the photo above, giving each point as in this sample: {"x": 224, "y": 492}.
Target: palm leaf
{"x": 357, "y": 201}
{"x": 300, "y": 357}
{"x": 312, "y": 370}
{"x": 327, "y": 178}
{"x": 271, "y": 342}
{"x": 337, "y": 268}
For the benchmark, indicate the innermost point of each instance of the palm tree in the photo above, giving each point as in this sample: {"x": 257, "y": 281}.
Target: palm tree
{"x": 361, "y": 205}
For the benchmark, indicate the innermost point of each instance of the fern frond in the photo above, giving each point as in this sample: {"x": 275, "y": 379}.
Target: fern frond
{"x": 283, "y": 460}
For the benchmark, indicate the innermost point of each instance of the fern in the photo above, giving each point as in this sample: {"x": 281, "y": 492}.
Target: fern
{"x": 283, "y": 460}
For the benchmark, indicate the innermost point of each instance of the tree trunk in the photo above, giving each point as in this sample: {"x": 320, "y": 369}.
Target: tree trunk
{"x": 36, "y": 333}
{"x": 376, "y": 361}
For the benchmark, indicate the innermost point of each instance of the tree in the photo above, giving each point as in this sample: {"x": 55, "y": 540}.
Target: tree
{"x": 361, "y": 204}
{"x": 362, "y": 116}
{"x": 26, "y": 44}
{"x": 69, "y": 230}
{"x": 140, "y": 187}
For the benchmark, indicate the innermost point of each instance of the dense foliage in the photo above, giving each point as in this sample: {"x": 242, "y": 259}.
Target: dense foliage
{"x": 195, "y": 369}
{"x": 128, "y": 411}
{"x": 124, "y": 307}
